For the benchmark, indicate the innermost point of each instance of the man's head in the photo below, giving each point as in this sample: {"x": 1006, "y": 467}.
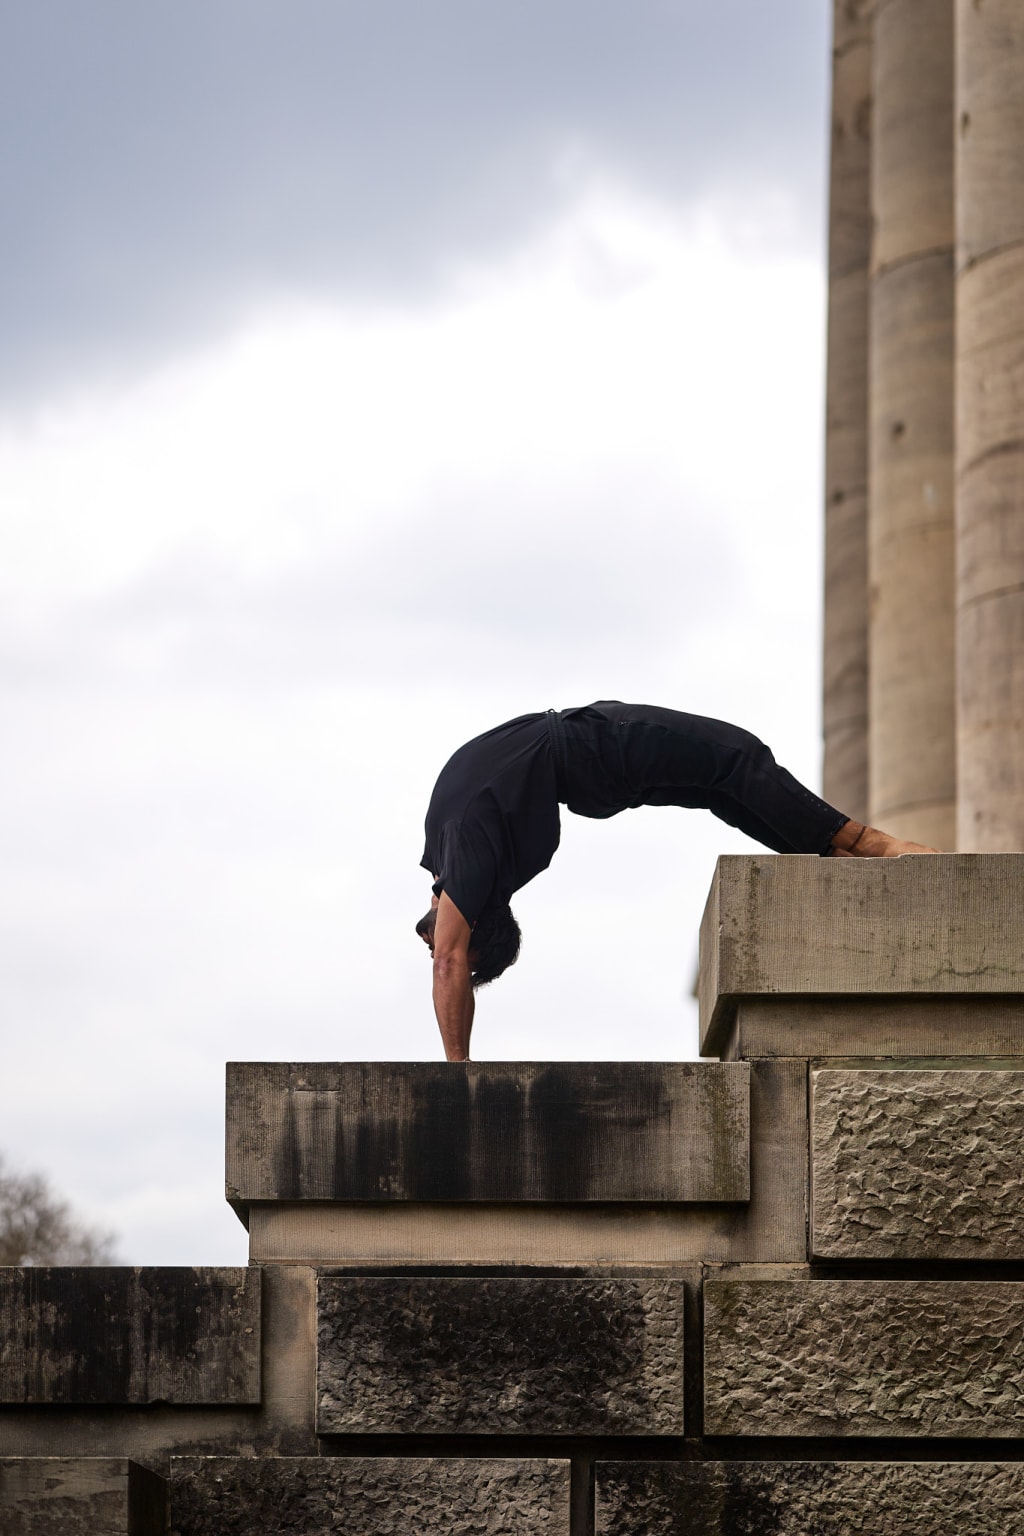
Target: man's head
{"x": 494, "y": 945}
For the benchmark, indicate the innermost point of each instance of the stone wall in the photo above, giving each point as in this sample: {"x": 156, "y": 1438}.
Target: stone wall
{"x": 778, "y": 1294}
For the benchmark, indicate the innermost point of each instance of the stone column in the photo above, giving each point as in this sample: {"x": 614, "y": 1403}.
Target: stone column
{"x": 845, "y": 770}
{"x": 911, "y": 695}
{"x": 990, "y": 423}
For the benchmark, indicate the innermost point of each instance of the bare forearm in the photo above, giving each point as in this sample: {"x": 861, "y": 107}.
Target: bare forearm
{"x": 453, "y": 1005}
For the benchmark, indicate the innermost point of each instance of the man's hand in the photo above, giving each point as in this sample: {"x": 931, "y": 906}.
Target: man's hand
{"x": 453, "y": 991}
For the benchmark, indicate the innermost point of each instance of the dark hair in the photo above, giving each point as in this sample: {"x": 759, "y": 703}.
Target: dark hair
{"x": 495, "y": 943}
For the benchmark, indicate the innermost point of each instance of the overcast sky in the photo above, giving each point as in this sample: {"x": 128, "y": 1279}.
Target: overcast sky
{"x": 372, "y": 373}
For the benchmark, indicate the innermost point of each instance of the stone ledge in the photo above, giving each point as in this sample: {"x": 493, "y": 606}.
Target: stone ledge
{"x": 80, "y": 1496}
{"x": 970, "y": 1029}
{"x": 843, "y": 1358}
{"x": 771, "y": 1227}
{"x": 500, "y": 1356}
{"x": 793, "y": 1498}
{"x": 368, "y": 1496}
{"x": 116, "y": 1335}
{"x": 520, "y": 1131}
{"x": 918, "y": 1165}
{"x": 792, "y": 928}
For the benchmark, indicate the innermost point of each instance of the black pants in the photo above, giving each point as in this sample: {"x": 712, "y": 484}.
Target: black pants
{"x": 622, "y": 755}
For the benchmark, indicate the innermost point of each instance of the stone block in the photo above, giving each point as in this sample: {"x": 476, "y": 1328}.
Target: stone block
{"x": 371, "y": 1496}
{"x": 519, "y": 1131}
{"x": 771, "y": 1226}
{"x": 107, "y": 1336}
{"x": 918, "y": 1164}
{"x": 80, "y": 1496}
{"x": 794, "y": 1498}
{"x": 864, "y": 1357}
{"x": 796, "y": 928}
{"x": 499, "y": 1356}
{"x": 280, "y": 1423}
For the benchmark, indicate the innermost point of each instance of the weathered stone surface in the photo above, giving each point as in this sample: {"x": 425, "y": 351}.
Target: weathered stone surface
{"x": 587, "y": 1131}
{"x": 796, "y": 1498}
{"x": 70, "y": 1336}
{"x": 83, "y": 1496}
{"x": 918, "y": 1165}
{"x": 311, "y": 1496}
{"x": 771, "y": 1226}
{"x": 500, "y": 1356}
{"x": 281, "y": 1423}
{"x": 796, "y": 928}
{"x": 864, "y": 1357}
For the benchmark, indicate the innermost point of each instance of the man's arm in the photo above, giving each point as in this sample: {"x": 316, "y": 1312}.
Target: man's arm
{"x": 453, "y": 991}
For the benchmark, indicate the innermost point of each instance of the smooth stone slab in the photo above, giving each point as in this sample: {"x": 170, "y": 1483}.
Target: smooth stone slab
{"x": 918, "y": 1165}
{"x": 864, "y": 1357}
{"x": 371, "y": 1496}
{"x": 798, "y": 927}
{"x": 480, "y": 1131}
{"x": 794, "y": 1498}
{"x": 966, "y": 1028}
{"x": 499, "y": 1356}
{"x": 80, "y": 1496}
{"x": 771, "y": 1227}
{"x": 117, "y": 1335}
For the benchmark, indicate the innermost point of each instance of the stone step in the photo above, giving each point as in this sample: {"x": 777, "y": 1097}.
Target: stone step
{"x": 757, "y": 1138}
{"x": 80, "y": 1496}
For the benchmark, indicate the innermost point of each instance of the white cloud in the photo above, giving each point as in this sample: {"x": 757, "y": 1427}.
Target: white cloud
{"x": 253, "y": 601}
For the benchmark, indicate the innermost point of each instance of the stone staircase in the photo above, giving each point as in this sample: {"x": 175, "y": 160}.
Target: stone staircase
{"x": 771, "y": 1294}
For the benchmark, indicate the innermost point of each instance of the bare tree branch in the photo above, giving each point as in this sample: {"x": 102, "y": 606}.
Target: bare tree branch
{"x": 36, "y": 1227}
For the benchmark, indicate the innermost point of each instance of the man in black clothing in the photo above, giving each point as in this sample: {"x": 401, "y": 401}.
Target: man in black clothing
{"x": 493, "y": 823}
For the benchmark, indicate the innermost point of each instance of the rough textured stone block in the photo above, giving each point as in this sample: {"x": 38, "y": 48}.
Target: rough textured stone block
{"x": 587, "y": 1131}
{"x": 864, "y": 1357}
{"x": 808, "y": 927}
{"x": 311, "y": 1496}
{"x": 80, "y": 1496}
{"x": 500, "y": 1356}
{"x": 851, "y": 1498}
{"x": 918, "y": 1165}
{"x": 71, "y": 1336}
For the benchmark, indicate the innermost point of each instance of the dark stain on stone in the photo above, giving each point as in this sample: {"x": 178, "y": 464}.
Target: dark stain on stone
{"x": 704, "y": 1499}
{"x": 497, "y": 1356}
{"x": 96, "y": 1336}
{"x": 286, "y": 1157}
{"x": 559, "y": 1132}
{"x": 572, "y": 1118}
{"x": 440, "y": 1141}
